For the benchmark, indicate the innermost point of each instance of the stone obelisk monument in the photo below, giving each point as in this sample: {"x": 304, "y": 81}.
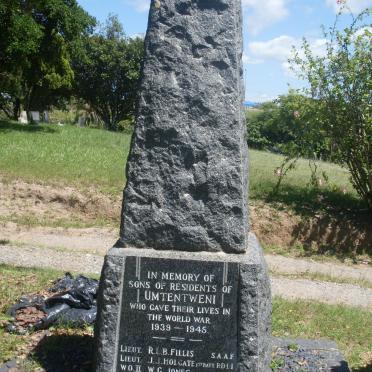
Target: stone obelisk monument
{"x": 186, "y": 288}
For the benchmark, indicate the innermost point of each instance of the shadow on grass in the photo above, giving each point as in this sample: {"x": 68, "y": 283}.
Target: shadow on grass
{"x": 341, "y": 237}
{"x": 9, "y": 126}
{"x": 61, "y": 353}
{"x": 363, "y": 369}
{"x": 331, "y": 223}
{"x": 308, "y": 201}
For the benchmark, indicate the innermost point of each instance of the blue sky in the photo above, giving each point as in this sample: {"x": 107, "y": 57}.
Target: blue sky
{"x": 271, "y": 27}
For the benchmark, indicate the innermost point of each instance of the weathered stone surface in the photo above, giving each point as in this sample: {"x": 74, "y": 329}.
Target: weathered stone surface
{"x": 255, "y": 312}
{"x": 109, "y": 302}
{"x": 245, "y": 334}
{"x": 311, "y": 355}
{"x": 187, "y": 170}
{"x": 187, "y": 191}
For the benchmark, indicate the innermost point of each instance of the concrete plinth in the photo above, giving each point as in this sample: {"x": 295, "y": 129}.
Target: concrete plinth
{"x": 160, "y": 310}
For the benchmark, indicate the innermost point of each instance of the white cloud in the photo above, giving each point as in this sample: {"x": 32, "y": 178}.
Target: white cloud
{"x": 280, "y": 49}
{"x": 318, "y": 47}
{"x": 364, "y": 31}
{"x": 140, "y": 5}
{"x": 263, "y": 13}
{"x": 248, "y": 60}
{"x": 356, "y": 6}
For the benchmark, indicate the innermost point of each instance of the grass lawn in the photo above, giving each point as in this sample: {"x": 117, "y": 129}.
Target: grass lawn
{"x": 64, "y": 154}
{"x": 84, "y": 157}
{"x": 349, "y": 327}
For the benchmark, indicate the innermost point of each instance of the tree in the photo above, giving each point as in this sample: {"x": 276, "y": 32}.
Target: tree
{"x": 283, "y": 125}
{"x": 38, "y": 40}
{"x": 107, "y": 79}
{"x": 340, "y": 85}
{"x": 258, "y": 123}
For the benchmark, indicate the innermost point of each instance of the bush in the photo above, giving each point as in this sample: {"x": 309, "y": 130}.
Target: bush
{"x": 340, "y": 85}
{"x": 255, "y": 130}
{"x": 282, "y": 126}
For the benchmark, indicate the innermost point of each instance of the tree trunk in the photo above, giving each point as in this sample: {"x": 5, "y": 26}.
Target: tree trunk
{"x": 16, "y": 109}
{"x": 370, "y": 204}
{"x": 361, "y": 180}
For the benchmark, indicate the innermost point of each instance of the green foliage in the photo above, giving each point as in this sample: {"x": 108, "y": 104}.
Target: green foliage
{"x": 282, "y": 125}
{"x": 258, "y": 121}
{"x": 330, "y": 120}
{"x": 277, "y": 363}
{"x": 126, "y": 126}
{"x": 107, "y": 79}
{"x": 68, "y": 154}
{"x": 340, "y": 85}
{"x": 38, "y": 40}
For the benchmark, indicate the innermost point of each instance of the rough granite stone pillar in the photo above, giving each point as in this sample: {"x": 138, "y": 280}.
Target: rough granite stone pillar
{"x": 187, "y": 170}
{"x": 163, "y": 307}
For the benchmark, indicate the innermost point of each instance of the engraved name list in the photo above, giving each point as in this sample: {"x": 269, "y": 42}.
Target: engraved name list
{"x": 178, "y": 316}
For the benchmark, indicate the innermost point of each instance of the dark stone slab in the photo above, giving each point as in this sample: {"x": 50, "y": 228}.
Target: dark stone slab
{"x": 187, "y": 170}
{"x": 175, "y": 312}
{"x": 9, "y": 366}
{"x": 184, "y": 312}
{"x": 290, "y": 355}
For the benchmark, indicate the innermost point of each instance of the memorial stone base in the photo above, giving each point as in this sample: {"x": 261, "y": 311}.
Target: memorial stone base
{"x": 176, "y": 311}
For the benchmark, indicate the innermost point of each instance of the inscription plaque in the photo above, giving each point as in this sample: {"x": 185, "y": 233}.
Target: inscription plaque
{"x": 178, "y": 316}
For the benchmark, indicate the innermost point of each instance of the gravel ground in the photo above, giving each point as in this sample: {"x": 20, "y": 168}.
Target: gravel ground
{"x": 287, "y": 265}
{"x": 92, "y": 240}
{"x": 84, "y": 263}
{"x": 98, "y": 240}
{"x": 327, "y": 292}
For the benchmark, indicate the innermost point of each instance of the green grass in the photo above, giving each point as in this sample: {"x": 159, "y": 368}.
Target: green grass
{"x": 71, "y": 155}
{"x": 14, "y": 282}
{"x": 264, "y": 163}
{"x": 296, "y": 192}
{"x": 93, "y": 157}
{"x": 349, "y": 327}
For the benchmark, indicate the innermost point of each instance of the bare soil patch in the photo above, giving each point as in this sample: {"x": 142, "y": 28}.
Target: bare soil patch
{"x": 55, "y": 202}
{"x": 275, "y": 225}
{"x": 339, "y": 235}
